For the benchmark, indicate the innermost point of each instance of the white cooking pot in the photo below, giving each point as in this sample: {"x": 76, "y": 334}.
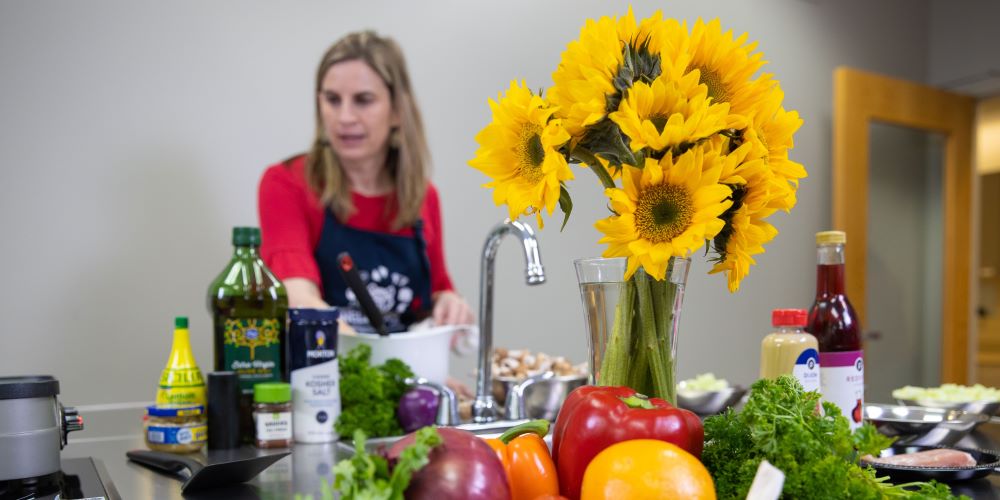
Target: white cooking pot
{"x": 426, "y": 350}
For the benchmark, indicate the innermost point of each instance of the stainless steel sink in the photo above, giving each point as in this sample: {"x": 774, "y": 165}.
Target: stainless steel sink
{"x": 485, "y": 430}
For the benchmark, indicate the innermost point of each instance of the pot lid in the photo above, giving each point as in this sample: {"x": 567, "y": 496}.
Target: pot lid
{"x": 31, "y": 386}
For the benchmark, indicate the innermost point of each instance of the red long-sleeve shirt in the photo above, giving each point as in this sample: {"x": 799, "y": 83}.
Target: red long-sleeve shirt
{"x": 291, "y": 221}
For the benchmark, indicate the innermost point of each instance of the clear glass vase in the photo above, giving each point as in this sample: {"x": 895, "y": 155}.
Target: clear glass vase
{"x": 632, "y": 324}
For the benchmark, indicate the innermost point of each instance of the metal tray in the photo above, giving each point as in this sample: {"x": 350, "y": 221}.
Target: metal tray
{"x": 986, "y": 462}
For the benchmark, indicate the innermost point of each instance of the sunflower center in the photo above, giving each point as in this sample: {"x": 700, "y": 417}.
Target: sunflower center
{"x": 664, "y": 211}
{"x": 530, "y": 153}
{"x": 659, "y": 121}
{"x": 716, "y": 87}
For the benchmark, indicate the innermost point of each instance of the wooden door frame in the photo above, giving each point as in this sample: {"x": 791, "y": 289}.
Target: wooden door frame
{"x": 860, "y": 98}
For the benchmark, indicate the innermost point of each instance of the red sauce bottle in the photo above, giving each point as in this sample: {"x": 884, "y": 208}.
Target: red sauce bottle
{"x": 835, "y": 325}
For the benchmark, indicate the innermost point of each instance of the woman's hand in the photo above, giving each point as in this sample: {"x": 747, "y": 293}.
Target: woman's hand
{"x": 304, "y": 293}
{"x": 451, "y": 309}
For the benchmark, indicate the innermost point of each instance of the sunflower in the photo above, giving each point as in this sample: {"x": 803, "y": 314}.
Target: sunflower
{"x": 669, "y": 113}
{"x": 750, "y": 233}
{"x": 606, "y": 59}
{"x": 770, "y": 129}
{"x": 519, "y": 151}
{"x": 755, "y": 190}
{"x": 665, "y": 209}
{"x": 725, "y": 65}
{"x": 584, "y": 76}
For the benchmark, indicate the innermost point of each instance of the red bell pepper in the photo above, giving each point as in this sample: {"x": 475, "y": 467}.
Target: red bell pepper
{"x": 594, "y": 418}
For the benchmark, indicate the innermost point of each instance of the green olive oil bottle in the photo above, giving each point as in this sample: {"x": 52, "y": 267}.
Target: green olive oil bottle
{"x": 248, "y": 306}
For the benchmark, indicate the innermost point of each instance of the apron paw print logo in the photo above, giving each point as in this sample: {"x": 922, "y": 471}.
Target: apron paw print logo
{"x": 390, "y": 290}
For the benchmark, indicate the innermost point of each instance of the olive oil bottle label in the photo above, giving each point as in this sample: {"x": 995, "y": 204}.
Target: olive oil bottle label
{"x": 252, "y": 349}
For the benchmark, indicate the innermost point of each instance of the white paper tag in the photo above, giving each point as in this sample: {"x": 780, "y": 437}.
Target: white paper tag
{"x": 767, "y": 483}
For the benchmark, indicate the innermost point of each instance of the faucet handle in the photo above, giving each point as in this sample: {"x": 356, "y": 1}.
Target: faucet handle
{"x": 514, "y": 406}
{"x": 447, "y": 414}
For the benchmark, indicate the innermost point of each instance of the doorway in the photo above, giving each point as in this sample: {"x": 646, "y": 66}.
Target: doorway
{"x": 909, "y": 261}
{"x": 988, "y": 272}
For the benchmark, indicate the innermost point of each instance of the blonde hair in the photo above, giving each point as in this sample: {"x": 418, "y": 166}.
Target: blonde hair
{"x": 409, "y": 158}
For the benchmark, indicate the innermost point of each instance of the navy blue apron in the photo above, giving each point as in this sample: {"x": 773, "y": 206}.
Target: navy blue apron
{"x": 395, "y": 269}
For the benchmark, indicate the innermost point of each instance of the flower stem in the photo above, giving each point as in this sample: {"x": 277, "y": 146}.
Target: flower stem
{"x": 657, "y": 360}
{"x": 585, "y": 156}
{"x": 614, "y": 364}
{"x": 639, "y": 371}
{"x": 664, "y": 292}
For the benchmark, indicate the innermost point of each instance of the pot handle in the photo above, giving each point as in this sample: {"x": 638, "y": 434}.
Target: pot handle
{"x": 70, "y": 421}
{"x": 515, "y": 398}
{"x": 165, "y": 462}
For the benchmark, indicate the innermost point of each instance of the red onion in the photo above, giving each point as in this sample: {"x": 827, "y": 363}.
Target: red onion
{"x": 464, "y": 467}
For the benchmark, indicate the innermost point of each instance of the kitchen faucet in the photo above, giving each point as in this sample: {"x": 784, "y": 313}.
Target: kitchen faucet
{"x": 484, "y": 407}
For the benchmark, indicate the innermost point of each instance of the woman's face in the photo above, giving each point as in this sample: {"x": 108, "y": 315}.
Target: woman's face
{"x": 357, "y": 112}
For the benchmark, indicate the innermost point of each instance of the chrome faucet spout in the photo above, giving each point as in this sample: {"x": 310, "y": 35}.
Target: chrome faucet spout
{"x": 484, "y": 408}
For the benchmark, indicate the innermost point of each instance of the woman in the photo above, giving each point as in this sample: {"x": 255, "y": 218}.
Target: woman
{"x": 362, "y": 188}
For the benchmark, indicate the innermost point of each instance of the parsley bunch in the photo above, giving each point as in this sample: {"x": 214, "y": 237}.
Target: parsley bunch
{"x": 817, "y": 452}
{"x": 369, "y": 395}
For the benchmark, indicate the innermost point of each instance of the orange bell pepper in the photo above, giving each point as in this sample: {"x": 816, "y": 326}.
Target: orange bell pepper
{"x": 525, "y": 456}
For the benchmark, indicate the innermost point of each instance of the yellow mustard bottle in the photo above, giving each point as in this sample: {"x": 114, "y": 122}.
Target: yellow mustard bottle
{"x": 790, "y": 350}
{"x": 181, "y": 382}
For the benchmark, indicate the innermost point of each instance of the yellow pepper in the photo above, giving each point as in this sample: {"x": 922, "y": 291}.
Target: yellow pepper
{"x": 646, "y": 469}
{"x": 525, "y": 457}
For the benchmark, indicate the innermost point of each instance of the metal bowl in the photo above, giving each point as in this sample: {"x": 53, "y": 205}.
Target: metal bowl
{"x": 988, "y": 408}
{"x": 543, "y": 397}
{"x": 707, "y": 403}
{"x": 918, "y": 425}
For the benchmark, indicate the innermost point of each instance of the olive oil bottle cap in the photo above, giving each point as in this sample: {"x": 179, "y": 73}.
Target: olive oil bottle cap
{"x": 272, "y": 392}
{"x": 181, "y": 322}
{"x": 246, "y": 236}
{"x": 831, "y": 237}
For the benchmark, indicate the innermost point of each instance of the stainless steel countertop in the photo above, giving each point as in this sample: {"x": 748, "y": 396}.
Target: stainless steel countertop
{"x": 310, "y": 465}
{"x": 303, "y": 472}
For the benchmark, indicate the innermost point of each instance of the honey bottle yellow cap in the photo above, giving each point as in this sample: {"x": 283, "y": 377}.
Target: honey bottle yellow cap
{"x": 831, "y": 237}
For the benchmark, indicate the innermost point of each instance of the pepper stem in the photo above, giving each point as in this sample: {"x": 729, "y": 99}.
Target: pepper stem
{"x": 638, "y": 401}
{"x": 540, "y": 427}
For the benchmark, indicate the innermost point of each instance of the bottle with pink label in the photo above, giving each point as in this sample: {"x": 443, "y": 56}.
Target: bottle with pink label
{"x": 835, "y": 325}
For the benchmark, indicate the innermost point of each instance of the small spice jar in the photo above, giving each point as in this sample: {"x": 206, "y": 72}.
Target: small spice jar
{"x": 272, "y": 414}
{"x": 175, "y": 428}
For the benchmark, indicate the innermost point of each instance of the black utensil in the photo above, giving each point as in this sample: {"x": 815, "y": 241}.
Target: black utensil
{"x": 353, "y": 279}
{"x": 238, "y": 470}
{"x": 986, "y": 462}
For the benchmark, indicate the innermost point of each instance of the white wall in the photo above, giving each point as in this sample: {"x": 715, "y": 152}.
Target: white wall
{"x": 133, "y": 134}
{"x": 963, "y": 53}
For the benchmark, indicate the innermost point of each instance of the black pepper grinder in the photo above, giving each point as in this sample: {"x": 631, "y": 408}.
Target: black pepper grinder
{"x": 223, "y": 411}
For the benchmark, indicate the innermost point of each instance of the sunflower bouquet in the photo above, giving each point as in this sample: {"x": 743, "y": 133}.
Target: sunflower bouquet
{"x": 691, "y": 145}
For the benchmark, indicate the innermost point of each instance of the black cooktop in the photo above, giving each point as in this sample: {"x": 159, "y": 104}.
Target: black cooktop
{"x": 80, "y": 478}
